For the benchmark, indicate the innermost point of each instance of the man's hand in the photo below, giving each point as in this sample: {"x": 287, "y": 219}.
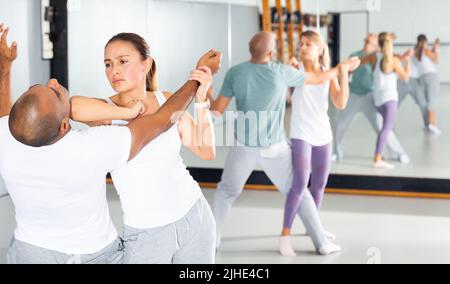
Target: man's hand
{"x": 352, "y": 63}
{"x": 7, "y": 54}
{"x": 294, "y": 63}
{"x": 212, "y": 59}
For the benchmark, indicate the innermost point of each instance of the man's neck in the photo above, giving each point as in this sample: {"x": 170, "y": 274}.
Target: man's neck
{"x": 260, "y": 61}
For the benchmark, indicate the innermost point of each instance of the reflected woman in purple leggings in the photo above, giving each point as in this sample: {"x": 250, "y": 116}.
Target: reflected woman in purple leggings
{"x": 311, "y": 133}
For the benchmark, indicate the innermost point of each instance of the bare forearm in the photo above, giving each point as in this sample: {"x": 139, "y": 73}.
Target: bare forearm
{"x": 321, "y": 77}
{"x": 344, "y": 93}
{"x": 88, "y": 109}
{"x": 147, "y": 128}
{"x": 205, "y": 136}
{"x": 5, "y": 90}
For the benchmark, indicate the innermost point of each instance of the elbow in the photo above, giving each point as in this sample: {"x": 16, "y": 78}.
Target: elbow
{"x": 74, "y": 109}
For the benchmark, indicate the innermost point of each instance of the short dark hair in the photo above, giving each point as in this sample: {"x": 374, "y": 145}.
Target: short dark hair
{"x": 37, "y": 131}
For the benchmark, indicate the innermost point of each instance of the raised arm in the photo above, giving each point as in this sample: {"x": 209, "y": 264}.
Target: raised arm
{"x": 402, "y": 72}
{"x": 339, "y": 89}
{"x": 322, "y": 77}
{"x": 7, "y": 56}
{"x": 92, "y": 110}
{"x": 434, "y": 54}
{"x": 219, "y": 105}
{"x": 146, "y": 128}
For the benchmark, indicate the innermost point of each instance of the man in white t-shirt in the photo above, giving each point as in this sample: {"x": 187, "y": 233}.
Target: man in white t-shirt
{"x": 56, "y": 176}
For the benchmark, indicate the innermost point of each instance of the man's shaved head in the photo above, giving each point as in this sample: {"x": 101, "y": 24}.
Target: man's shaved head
{"x": 261, "y": 45}
{"x": 36, "y": 118}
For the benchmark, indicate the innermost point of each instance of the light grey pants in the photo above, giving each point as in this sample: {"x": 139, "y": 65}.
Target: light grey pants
{"x": 23, "y": 253}
{"x": 240, "y": 163}
{"x": 431, "y": 85}
{"x": 362, "y": 104}
{"x": 190, "y": 240}
{"x": 414, "y": 88}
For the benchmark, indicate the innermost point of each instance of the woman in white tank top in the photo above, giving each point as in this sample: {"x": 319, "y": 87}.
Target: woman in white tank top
{"x": 387, "y": 69}
{"x": 311, "y": 133}
{"x": 166, "y": 217}
{"x": 428, "y": 59}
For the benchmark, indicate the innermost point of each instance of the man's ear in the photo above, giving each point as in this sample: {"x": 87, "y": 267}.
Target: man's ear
{"x": 65, "y": 126}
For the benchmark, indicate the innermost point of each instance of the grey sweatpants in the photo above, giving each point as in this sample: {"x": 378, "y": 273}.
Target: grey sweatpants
{"x": 431, "y": 85}
{"x": 414, "y": 88}
{"x": 362, "y": 104}
{"x": 240, "y": 163}
{"x": 23, "y": 253}
{"x": 191, "y": 240}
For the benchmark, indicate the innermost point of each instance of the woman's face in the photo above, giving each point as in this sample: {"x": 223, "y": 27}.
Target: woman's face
{"x": 309, "y": 50}
{"x": 124, "y": 66}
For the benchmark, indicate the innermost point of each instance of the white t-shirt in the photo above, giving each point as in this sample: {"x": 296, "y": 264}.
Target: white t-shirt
{"x": 155, "y": 188}
{"x": 310, "y": 121}
{"x": 59, "y": 191}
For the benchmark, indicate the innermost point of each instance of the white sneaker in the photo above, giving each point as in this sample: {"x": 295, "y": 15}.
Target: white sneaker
{"x": 404, "y": 159}
{"x": 329, "y": 249}
{"x": 286, "y": 248}
{"x": 383, "y": 165}
{"x": 433, "y": 129}
{"x": 329, "y": 236}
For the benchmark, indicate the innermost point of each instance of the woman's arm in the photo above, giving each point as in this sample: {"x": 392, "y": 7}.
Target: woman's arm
{"x": 197, "y": 134}
{"x": 91, "y": 110}
{"x": 433, "y": 54}
{"x": 402, "y": 72}
{"x": 339, "y": 90}
{"x": 322, "y": 77}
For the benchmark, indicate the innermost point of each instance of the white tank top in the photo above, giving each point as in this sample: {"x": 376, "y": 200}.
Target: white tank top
{"x": 155, "y": 188}
{"x": 385, "y": 85}
{"x": 427, "y": 65}
{"x": 310, "y": 121}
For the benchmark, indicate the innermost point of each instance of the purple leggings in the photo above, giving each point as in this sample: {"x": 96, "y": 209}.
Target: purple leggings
{"x": 308, "y": 161}
{"x": 389, "y": 113}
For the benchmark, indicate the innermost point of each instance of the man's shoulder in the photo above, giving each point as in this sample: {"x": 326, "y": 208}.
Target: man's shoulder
{"x": 100, "y": 131}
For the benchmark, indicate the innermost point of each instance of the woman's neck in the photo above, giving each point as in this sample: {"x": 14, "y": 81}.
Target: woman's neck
{"x": 311, "y": 66}
{"x": 133, "y": 95}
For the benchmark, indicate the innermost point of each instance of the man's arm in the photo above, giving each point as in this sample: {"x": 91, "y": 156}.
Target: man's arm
{"x": 219, "y": 105}
{"x": 145, "y": 129}
{"x": 7, "y": 56}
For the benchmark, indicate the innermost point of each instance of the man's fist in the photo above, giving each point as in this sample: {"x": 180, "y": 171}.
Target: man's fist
{"x": 212, "y": 59}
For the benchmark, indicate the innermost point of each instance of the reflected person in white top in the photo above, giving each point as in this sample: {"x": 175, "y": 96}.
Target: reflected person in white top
{"x": 311, "y": 134}
{"x": 428, "y": 60}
